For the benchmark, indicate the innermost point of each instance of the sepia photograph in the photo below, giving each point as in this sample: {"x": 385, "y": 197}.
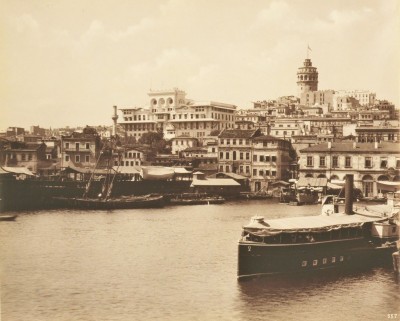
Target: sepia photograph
{"x": 201, "y": 160}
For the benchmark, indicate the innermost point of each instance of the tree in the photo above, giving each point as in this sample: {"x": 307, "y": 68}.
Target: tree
{"x": 150, "y": 138}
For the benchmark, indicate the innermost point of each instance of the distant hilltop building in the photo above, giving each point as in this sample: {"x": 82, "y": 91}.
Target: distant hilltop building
{"x": 307, "y": 77}
{"x": 170, "y": 112}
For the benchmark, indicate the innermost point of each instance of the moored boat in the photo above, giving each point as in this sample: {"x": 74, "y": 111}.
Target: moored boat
{"x": 195, "y": 199}
{"x": 123, "y": 202}
{"x": 333, "y": 239}
{"x": 8, "y": 217}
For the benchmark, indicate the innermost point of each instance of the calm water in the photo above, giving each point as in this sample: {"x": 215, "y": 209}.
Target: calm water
{"x": 176, "y": 263}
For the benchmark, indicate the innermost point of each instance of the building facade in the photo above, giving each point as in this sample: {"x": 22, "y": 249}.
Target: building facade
{"x": 175, "y": 115}
{"x": 370, "y": 163}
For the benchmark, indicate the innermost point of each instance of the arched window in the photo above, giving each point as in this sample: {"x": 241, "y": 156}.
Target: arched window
{"x": 309, "y": 175}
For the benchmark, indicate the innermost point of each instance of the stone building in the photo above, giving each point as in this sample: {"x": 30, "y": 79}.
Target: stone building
{"x": 173, "y": 114}
{"x": 370, "y": 163}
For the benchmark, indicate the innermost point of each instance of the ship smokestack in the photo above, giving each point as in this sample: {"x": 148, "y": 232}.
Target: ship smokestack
{"x": 349, "y": 194}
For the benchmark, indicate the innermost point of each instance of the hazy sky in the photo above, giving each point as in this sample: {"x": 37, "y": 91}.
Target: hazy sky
{"x": 67, "y": 62}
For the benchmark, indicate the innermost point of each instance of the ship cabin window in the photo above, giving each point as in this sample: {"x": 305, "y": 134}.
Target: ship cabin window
{"x": 315, "y": 262}
{"x": 333, "y": 259}
{"x": 324, "y": 260}
{"x": 341, "y": 259}
{"x": 304, "y": 263}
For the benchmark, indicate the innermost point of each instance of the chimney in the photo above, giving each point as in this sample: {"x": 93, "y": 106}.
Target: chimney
{"x": 349, "y": 194}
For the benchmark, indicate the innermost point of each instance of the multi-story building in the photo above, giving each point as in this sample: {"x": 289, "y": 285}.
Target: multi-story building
{"x": 270, "y": 161}
{"x": 183, "y": 142}
{"x": 319, "y": 97}
{"x": 29, "y": 155}
{"x": 364, "y": 97}
{"x": 235, "y": 151}
{"x": 80, "y": 150}
{"x": 370, "y": 163}
{"x": 262, "y": 159}
{"x": 174, "y": 115}
{"x": 380, "y": 132}
{"x": 344, "y": 103}
{"x": 286, "y": 127}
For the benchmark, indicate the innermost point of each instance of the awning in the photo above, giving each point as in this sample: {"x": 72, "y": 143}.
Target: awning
{"x": 333, "y": 186}
{"x": 16, "y": 170}
{"x": 181, "y": 170}
{"x": 312, "y": 182}
{"x": 126, "y": 170}
{"x": 388, "y": 186}
{"x": 82, "y": 170}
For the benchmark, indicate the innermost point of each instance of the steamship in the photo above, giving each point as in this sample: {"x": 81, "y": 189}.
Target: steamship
{"x": 335, "y": 239}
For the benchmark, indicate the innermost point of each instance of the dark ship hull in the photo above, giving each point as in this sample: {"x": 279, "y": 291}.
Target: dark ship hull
{"x": 128, "y": 202}
{"x": 262, "y": 260}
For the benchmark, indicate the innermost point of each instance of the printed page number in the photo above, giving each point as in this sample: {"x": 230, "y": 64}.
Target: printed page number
{"x": 392, "y": 316}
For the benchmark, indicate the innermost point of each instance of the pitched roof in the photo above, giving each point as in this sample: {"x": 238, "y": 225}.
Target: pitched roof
{"x": 238, "y": 133}
{"x": 267, "y": 138}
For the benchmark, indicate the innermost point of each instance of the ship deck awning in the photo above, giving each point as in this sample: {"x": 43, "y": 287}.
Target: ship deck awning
{"x": 315, "y": 223}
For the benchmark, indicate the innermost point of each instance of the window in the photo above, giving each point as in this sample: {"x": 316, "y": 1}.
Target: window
{"x": 23, "y": 157}
{"x": 322, "y": 160}
{"x": 347, "y": 161}
{"x": 315, "y": 262}
{"x": 335, "y": 161}
{"x": 227, "y": 155}
{"x": 261, "y": 158}
{"x": 324, "y": 260}
{"x": 254, "y": 172}
{"x": 254, "y": 158}
{"x": 227, "y": 168}
{"x": 309, "y": 161}
{"x": 67, "y": 158}
{"x": 77, "y": 158}
{"x": 260, "y": 172}
{"x": 87, "y": 158}
{"x": 304, "y": 263}
{"x": 29, "y": 156}
{"x": 228, "y": 141}
{"x": 368, "y": 162}
{"x": 66, "y": 145}
{"x": 273, "y": 158}
{"x": 221, "y": 155}
{"x": 77, "y": 146}
{"x": 240, "y": 169}
{"x": 87, "y": 145}
{"x": 241, "y": 156}
{"x": 333, "y": 259}
{"x": 221, "y": 168}
{"x": 397, "y": 162}
{"x": 247, "y": 169}
{"x": 273, "y": 173}
{"x": 384, "y": 162}
{"x": 234, "y": 141}
{"x": 247, "y": 156}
